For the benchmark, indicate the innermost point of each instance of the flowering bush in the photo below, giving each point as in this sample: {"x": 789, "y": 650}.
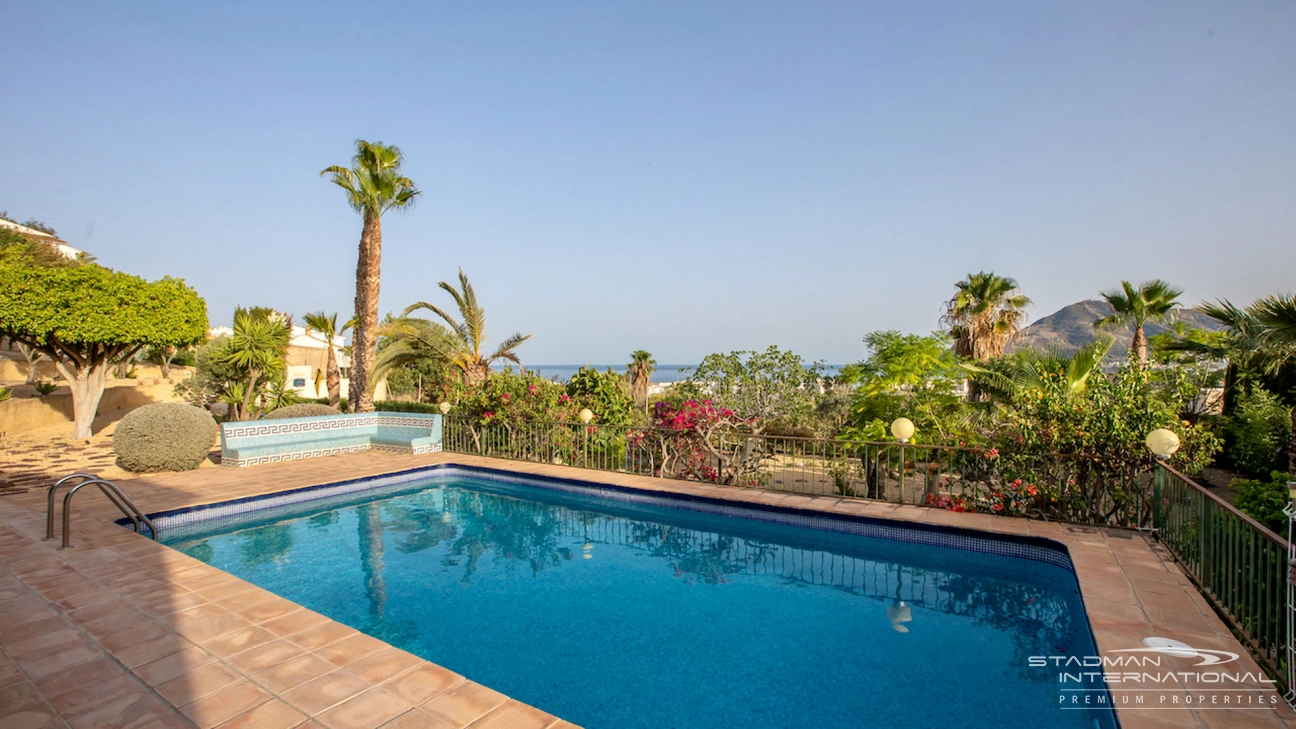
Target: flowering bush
{"x": 687, "y": 441}
{"x": 1016, "y": 498}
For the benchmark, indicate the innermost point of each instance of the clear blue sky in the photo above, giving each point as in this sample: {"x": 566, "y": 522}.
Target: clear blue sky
{"x": 676, "y": 176}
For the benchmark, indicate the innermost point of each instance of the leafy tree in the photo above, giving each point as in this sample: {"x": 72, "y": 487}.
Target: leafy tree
{"x": 760, "y": 388}
{"x": 1153, "y": 301}
{"x": 327, "y": 326}
{"x": 1100, "y": 432}
{"x": 86, "y": 317}
{"x": 211, "y": 377}
{"x": 905, "y": 375}
{"x": 604, "y": 393}
{"x": 456, "y": 343}
{"x": 1257, "y": 431}
{"x": 984, "y": 315}
{"x": 640, "y": 370}
{"x": 373, "y": 185}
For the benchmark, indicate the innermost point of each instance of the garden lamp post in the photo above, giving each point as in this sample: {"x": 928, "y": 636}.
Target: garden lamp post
{"x": 1163, "y": 443}
{"x": 444, "y": 407}
{"x": 586, "y": 415}
{"x": 903, "y": 430}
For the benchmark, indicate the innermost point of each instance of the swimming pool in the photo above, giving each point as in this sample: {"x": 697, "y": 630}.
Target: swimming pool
{"x": 615, "y": 609}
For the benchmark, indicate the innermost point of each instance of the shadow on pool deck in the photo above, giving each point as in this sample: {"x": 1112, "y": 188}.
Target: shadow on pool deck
{"x": 120, "y": 631}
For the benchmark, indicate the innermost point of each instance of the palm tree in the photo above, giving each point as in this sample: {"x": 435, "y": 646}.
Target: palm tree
{"x": 640, "y": 370}
{"x": 1031, "y": 370}
{"x": 1153, "y": 301}
{"x": 985, "y": 314}
{"x": 373, "y": 185}
{"x": 454, "y": 343}
{"x": 328, "y": 329}
{"x": 256, "y": 349}
{"x": 1277, "y": 318}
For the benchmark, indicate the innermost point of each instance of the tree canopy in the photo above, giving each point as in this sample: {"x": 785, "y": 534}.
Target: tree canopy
{"x": 89, "y": 313}
{"x": 86, "y": 316}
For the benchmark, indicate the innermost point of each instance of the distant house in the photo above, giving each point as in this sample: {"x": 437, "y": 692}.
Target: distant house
{"x": 307, "y": 360}
{"x": 61, "y": 246}
{"x": 308, "y": 356}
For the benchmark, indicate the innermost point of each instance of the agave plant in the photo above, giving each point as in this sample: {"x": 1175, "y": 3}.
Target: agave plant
{"x": 5, "y": 393}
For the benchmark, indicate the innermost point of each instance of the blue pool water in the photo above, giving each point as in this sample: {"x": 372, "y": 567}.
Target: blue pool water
{"x": 613, "y": 614}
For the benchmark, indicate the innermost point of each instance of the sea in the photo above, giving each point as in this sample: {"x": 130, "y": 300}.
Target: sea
{"x": 664, "y": 373}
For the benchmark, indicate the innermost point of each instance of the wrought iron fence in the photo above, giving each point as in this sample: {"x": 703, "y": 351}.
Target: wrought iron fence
{"x": 1069, "y": 488}
{"x": 1238, "y": 564}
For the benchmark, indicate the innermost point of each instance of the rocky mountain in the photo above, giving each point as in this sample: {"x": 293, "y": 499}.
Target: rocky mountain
{"x": 1071, "y": 327}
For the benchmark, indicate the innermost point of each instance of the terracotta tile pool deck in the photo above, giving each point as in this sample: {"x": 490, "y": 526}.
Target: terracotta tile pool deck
{"x": 123, "y": 632}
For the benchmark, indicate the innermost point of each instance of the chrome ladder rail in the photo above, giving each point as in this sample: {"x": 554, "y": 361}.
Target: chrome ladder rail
{"x": 110, "y": 490}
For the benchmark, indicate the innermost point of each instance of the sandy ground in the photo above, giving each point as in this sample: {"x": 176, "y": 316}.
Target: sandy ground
{"x": 37, "y": 458}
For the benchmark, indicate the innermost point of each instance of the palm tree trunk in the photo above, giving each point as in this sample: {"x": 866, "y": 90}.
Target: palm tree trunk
{"x": 368, "y": 273}
{"x": 1138, "y": 347}
{"x": 333, "y": 376}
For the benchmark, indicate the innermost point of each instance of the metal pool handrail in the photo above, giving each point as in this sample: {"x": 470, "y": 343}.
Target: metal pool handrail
{"x": 110, "y": 490}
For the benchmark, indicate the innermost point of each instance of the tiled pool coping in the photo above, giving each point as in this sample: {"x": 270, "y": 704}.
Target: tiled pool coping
{"x": 121, "y": 631}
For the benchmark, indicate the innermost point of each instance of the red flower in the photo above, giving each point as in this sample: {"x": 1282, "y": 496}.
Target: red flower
{"x": 997, "y": 507}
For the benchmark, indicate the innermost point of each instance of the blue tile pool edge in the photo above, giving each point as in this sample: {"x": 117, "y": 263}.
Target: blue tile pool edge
{"x": 1040, "y": 549}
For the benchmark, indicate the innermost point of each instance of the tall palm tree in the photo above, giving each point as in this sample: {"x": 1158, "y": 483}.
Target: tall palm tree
{"x": 373, "y": 185}
{"x": 984, "y": 315}
{"x": 457, "y": 343}
{"x": 640, "y": 370}
{"x": 1153, "y": 301}
{"x": 328, "y": 329}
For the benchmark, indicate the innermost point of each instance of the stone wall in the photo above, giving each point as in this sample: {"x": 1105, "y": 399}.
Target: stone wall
{"x": 21, "y": 414}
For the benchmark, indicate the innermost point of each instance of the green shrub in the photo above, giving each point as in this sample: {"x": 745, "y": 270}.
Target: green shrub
{"x": 325, "y": 401}
{"x": 1257, "y": 431}
{"x": 5, "y": 393}
{"x": 1264, "y": 500}
{"x": 44, "y": 387}
{"x": 394, "y": 406}
{"x": 169, "y": 436}
{"x": 304, "y": 410}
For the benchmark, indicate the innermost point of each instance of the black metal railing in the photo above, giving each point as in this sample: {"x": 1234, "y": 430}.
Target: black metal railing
{"x": 1237, "y": 563}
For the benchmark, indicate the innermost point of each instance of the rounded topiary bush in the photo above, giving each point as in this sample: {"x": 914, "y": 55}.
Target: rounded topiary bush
{"x": 305, "y": 410}
{"x": 166, "y": 436}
